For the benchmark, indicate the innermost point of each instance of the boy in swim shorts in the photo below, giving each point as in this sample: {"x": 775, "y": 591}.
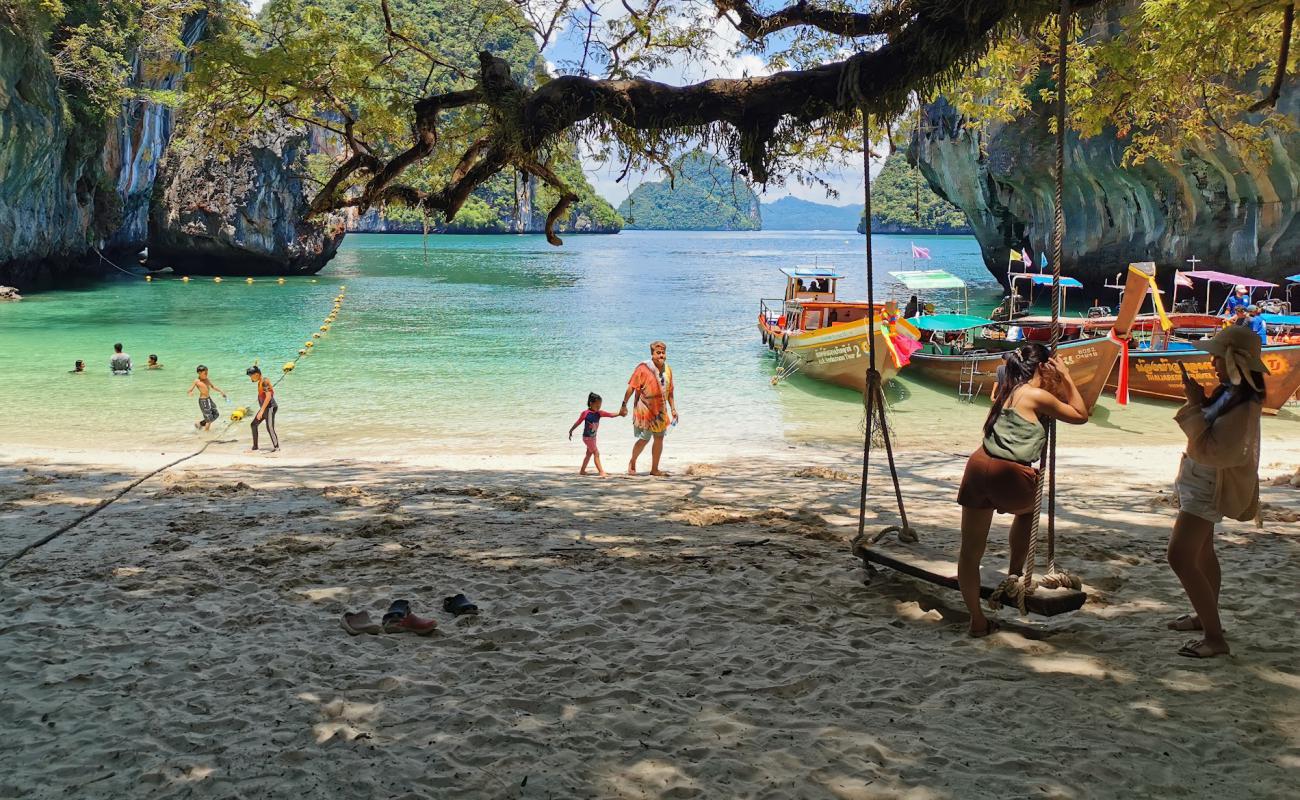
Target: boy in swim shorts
{"x": 590, "y": 419}
{"x": 207, "y": 407}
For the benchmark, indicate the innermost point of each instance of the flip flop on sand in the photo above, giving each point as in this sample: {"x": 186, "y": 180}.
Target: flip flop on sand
{"x": 1201, "y": 649}
{"x": 1187, "y": 622}
{"x": 357, "y": 623}
{"x": 399, "y": 607}
{"x": 458, "y": 605}
{"x": 408, "y": 623}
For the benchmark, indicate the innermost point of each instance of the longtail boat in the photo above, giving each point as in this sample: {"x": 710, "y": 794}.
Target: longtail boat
{"x": 1155, "y": 373}
{"x": 1090, "y": 360}
{"x": 813, "y": 332}
{"x": 1153, "y": 368}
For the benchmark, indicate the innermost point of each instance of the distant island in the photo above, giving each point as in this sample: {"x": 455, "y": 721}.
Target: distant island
{"x": 903, "y": 202}
{"x": 793, "y": 214}
{"x": 705, "y": 195}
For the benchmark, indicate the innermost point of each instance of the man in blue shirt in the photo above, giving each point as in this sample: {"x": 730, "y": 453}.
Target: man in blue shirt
{"x": 1238, "y": 299}
{"x": 1256, "y": 324}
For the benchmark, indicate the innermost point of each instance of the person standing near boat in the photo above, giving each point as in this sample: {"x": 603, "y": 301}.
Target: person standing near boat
{"x": 1000, "y": 474}
{"x": 652, "y": 383}
{"x": 1256, "y": 324}
{"x": 1218, "y": 477}
{"x": 1240, "y": 298}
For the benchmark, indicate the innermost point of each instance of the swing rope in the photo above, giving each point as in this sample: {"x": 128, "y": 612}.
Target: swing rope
{"x": 1016, "y": 588}
{"x": 874, "y": 394}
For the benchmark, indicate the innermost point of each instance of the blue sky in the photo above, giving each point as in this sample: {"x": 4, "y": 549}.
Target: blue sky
{"x": 847, "y": 180}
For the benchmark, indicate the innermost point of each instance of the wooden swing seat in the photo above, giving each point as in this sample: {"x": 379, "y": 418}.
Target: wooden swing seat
{"x": 938, "y": 567}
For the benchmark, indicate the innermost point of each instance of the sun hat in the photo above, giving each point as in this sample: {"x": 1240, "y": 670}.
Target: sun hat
{"x": 1241, "y": 288}
{"x": 1252, "y": 308}
{"x": 1239, "y": 348}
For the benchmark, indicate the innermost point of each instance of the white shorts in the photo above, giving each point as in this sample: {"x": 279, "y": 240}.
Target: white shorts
{"x": 1196, "y": 485}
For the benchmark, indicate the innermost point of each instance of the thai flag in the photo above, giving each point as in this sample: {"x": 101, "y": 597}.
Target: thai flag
{"x": 920, "y": 252}
{"x": 1182, "y": 280}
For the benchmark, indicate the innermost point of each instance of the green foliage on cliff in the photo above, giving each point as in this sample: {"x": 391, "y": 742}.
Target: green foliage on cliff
{"x": 704, "y": 196}
{"x": 336, "y": 67}
{"x": 1166, "y": 76}
{"x": 897, "y": 194}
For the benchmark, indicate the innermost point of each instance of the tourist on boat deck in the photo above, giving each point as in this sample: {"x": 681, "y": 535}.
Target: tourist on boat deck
{"x": 119, "y": 363}
{"x": 652, "y": 383}
{"x": 1256, "y": 324}
{"x": 1239, "y": 299}
{"x": 1218, "y": 477}
{"x": 79, "y": 368}
{"x": 912, "y": 307}
{"x": 1000, "y": 474}
{"x": 1240, "y": 317}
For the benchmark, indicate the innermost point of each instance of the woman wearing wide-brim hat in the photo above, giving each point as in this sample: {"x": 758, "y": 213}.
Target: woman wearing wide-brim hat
{"x": 1218, "y": 477}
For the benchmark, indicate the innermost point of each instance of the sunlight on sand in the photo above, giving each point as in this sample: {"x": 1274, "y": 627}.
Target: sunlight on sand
{"x": 1083, "y": 666}
{"x": 1142, "y": 605}
{"x": 650, "y": 777}
{"x": 1181, "y": 680}
{"x": 1151, "y": 707}
{"x": 320, "y": 595}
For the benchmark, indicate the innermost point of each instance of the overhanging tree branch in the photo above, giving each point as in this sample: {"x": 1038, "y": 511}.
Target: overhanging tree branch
{"x": 1274, "y": 93}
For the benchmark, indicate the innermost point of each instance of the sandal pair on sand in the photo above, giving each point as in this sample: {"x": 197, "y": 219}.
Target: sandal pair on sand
{"x": 1194, "y": 648}
{"x": 399, "y": 619}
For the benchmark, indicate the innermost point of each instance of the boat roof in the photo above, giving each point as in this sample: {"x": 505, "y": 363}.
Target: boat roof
{"x": 1281, "y": 319}
{"x": 949, "y": 322}
{"x": 804, "y": 271}
{"x": 1038, "y": 279}
{"x": 1215, "y": 276}
{"x": 928, "y": 279}
{"x": 1294, "y": 278}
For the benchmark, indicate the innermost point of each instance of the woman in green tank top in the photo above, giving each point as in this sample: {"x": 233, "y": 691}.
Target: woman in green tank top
{"x": 1000, "y": 475}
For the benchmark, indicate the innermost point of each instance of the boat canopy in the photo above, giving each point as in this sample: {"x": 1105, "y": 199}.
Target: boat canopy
{"x": 1294, "y": 278}
{"x": 811, "y": 272}
{"x": 1039, "y": 279}
{"x": 1224, "y": 277}
{"x": 929, "y": 279}
{"x": 1287, "y": 320}
{"x": 949, "y": 322}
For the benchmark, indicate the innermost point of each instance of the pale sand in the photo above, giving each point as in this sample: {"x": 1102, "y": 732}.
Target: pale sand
{"x": 704, "y": 636}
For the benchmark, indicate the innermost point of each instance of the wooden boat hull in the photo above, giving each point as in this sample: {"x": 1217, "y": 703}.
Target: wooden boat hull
{"x": 838, "y": 354}
{"x": 1090, "y": 362}
{"x": 1155, "y": 374}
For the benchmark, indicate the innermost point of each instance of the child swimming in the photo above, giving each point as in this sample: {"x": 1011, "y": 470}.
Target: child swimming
{"x": 153, "y": 362}
{"x": 266, "y": 407}
{"x": 590, "y": 422}
{"x": 207, "y": 407}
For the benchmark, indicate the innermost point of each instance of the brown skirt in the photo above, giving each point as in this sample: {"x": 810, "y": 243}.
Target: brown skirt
{"x": 996, "y": 483}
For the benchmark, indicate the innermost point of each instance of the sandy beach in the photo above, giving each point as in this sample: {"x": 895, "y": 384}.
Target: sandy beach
{"x": 704, "y": 636}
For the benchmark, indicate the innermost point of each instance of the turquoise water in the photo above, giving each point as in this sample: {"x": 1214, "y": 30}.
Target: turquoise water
{"x": 467, "y": 344}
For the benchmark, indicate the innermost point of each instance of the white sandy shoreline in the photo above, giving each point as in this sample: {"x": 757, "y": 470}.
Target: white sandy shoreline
{"x": 705, "y": 636}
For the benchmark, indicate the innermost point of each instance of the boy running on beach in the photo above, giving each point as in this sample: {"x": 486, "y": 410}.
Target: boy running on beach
{"x": 207, "y": 407}
{"x": 590, "y": 421}
{"x": 266, "y": 407}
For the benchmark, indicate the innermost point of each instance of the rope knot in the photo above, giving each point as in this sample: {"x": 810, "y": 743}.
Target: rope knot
{"x": 1014, "y": 589}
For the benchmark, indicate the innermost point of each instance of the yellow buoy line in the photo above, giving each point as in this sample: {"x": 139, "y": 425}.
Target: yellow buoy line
{"x": 304, "y": 351}
{"x": 235, "y": 416}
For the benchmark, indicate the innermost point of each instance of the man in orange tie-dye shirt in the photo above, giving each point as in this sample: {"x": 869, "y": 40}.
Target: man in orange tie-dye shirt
{"x": 652, "y": 383}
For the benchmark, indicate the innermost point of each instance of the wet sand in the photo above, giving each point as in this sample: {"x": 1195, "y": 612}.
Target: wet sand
{"x": 705, "y": 636}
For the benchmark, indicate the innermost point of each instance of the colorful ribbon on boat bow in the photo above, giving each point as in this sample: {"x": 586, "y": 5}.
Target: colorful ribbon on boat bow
{"x": 1159, "y": 304}
{"x": 900, "y": 348}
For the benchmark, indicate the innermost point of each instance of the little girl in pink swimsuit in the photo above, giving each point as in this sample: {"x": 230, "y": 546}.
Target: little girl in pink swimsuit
{"x": 590, "y": 419}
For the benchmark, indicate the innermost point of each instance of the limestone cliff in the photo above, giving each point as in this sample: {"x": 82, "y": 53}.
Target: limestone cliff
{"x": 66, "y": 190}
{"x": 1232, "y": 211}
{"x": 240, "y": 213}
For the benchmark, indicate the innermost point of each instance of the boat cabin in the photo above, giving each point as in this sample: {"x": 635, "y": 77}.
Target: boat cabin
{"x": 810, "y": 302}
{"x": 810, "y": 284}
